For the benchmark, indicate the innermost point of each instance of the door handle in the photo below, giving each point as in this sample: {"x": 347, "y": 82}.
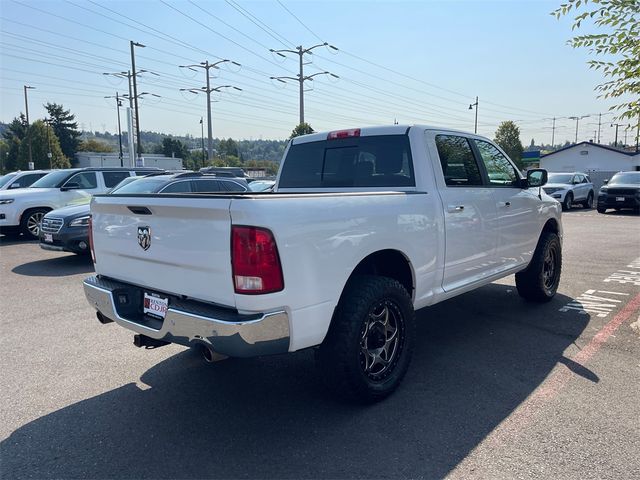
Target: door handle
{"x": 504, "y": 204}
{"x": 455, "y": 208}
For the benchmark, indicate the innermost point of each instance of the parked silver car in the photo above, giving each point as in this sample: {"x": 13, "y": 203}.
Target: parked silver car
{"x": 570, "y": 188}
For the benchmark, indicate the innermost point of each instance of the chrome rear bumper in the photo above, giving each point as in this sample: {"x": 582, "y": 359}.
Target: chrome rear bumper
{"x": 189, "y": 322}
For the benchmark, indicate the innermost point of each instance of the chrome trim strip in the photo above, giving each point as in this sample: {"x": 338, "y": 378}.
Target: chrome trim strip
{"x": 266, "y": 335}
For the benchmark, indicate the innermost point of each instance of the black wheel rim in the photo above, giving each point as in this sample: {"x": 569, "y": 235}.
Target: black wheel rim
{"x": 550, "y": 269}
{"x": 381, "y": 340}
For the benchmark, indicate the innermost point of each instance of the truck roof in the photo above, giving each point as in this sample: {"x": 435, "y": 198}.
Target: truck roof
{"x": 369, "y": 131}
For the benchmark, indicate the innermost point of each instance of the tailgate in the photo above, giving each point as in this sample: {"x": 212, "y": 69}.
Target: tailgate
{"x": 172, "y": 244}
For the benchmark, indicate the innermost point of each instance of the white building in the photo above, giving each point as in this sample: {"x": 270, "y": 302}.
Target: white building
{"x": 96, "y": 159}
{"x": 600, "y": 162}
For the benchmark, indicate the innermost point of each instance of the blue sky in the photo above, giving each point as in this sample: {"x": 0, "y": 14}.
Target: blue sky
{"x": 417, "y": 62}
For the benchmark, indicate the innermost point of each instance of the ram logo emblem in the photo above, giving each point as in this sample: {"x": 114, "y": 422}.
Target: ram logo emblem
{"x": 144, "y": 237}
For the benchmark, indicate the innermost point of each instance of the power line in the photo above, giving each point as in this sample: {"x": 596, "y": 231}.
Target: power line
{"x": 300, "y": 21}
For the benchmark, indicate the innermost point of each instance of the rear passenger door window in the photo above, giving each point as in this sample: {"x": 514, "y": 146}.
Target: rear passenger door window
{"x": 178, "y": 187}
{"x": 84, "y": 180}
{"x": 500, "y": 171}
{"x": 207, "y": 186}
{"x": 111, "y": 179}
{"x": 459, "y": 165}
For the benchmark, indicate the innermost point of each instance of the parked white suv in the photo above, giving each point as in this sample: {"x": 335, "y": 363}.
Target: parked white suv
{"x": 570, "y": 188}
{"x": 22, "y": 209}
{"x": 20, "y": 179}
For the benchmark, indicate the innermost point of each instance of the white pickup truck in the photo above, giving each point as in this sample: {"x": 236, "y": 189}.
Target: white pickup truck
{"x": 363, "y": 227}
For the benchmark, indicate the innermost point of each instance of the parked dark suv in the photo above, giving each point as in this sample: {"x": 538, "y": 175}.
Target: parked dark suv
{"x": 67, "y": 229}
{"x": 622, "y": 191}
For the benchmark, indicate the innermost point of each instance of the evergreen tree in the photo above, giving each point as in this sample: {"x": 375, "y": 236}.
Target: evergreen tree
{"x": 301, "y": 129}
{"x": 65, "y": 128}
{"x": 14, "y": 134}
{"x": 508, "y": 137}
{"x": 43, "y": 140}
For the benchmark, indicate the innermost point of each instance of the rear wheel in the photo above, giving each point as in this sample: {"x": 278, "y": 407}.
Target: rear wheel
{"x": 368, "y": 348}
{"x": 30, "y": 222}
{"x": 539, "y": 282}
{"x": 568, "y": 200}
{"x": 588, "y": 203}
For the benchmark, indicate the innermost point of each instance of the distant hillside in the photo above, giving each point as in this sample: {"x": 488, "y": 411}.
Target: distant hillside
{"x": 270, "y": 150}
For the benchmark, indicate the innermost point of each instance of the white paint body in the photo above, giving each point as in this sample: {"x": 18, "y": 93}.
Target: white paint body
{"x": 322, "y": 237}
{"x": 589, "y": 157}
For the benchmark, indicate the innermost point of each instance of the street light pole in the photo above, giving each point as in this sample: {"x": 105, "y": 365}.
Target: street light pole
{"x": 208, "y": 66}
{"x": 49, "y": 154}
{"x": 577, "y": 119}
{"x": 26, "y": 108}
{"x": 615, "y": 143}
{"x": 301, "y": 78}
{"x": 475, "y": 128}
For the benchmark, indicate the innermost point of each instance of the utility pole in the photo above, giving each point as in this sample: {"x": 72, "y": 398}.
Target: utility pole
{"x": 202, "y": 137}
{"x": 475, "y": 128}
{"x": 301, "y": 78}
{"x": 577, "y": 119}
{"x": 599, "y": 123}
{"x": 130, "y": 135}
{"x": 118, "y": 105}
{"x": 553, "y": 132}
{"x": 615, "y": 144}
{"x": 207, "y": 66}
{"x": 26, "y": 108}
{"x": 625, "y": 134}
{"x": 133, "y": 44}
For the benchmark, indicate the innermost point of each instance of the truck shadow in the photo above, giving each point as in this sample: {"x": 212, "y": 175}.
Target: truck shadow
{"x": 478, "y": 357}
{"x": 66, "y": 264}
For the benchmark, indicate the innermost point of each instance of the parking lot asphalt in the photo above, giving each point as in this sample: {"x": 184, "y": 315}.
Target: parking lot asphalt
{"x": 498, "y": 387}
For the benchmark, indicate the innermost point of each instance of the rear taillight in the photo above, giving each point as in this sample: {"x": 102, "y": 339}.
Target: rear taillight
{"x": 93, "y": 254}
{"x": 353, "y": 132}
{"x": 255, "y": 261}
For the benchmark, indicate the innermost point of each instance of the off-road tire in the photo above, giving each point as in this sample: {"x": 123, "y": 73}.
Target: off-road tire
{"x": 29, "y": 219}
{"x": 539, "y": 282}
{"x": 568, "y": 201}
{"x": 358, "y": 342}
{"x": 588, "y": 203}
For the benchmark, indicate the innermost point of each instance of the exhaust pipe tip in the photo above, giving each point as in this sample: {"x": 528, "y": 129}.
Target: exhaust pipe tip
{"x": 211, "y": 356}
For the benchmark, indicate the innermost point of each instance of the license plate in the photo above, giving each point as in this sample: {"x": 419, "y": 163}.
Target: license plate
{"x": 48, "y": 237}
{"x": 619, "y": 199}
{"x": 155, "y": 305}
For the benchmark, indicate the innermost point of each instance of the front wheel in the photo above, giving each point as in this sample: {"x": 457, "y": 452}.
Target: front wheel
{"x": 30, "y": 222}
{"x": 601, "y": 210}
{"x": 368, "y": 348}
{"x": 568, "y": 200}
{"x": 539, "y": 282}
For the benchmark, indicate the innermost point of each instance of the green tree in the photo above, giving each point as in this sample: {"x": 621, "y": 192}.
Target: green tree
{"x": 508, "y": 137}
{"x": 301, "y": 129}
{"x": 618, "y": 47}
{"x": 173, "y": 147}
{"x": 65, "y": 128}
{"x": 4, "y": 151}
{"x": 93, "y": 145}
{"x": 43, "y": 140}
{"x": 14, "y": 134}
{"x": 227, "y": 148}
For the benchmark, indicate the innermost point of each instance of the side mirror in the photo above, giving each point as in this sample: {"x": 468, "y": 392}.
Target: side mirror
{"x": 537, "y": 177}
{"x": 70, "y": 186}
{"x": 605, "y": 181}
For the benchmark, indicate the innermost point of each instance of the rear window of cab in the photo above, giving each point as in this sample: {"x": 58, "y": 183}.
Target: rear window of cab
{"x": 376, "y": 161}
